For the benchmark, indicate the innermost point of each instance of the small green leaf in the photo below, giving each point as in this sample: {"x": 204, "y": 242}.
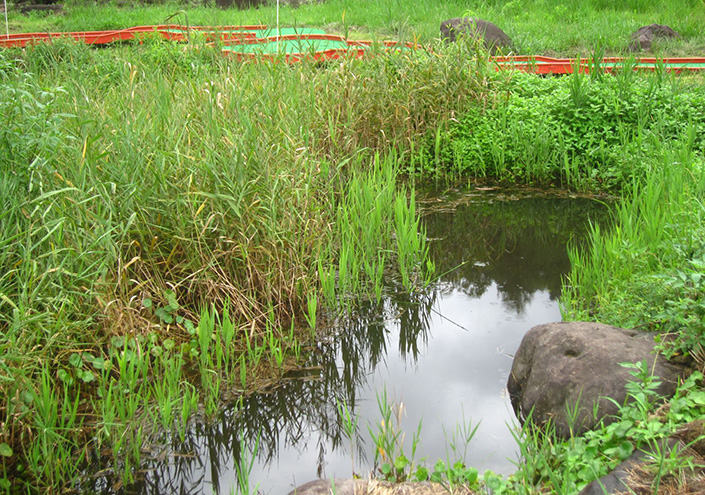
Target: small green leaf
{"x": 421, "y": 473}
{"x": 471, "y": 476}
{"x": 147, "y": 303}
{"x": 190, "y": 328}
{"x": 401, "y": 462}
{"x": 5, "y": 450}
{"x": 697, "y": 398}
{"x": 87, "y": 376}
{"x": 625, "y": 449}
{"x": 76, "y": 360}
{"x": 64, "y": 376}
{"x": 169, "y": 344}
{"x": 171, "y": 300}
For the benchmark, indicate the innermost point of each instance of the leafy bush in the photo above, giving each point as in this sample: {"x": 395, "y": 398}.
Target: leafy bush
{"x": 579, "y": 131}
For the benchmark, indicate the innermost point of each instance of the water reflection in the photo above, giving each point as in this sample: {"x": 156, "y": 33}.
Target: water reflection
{"x": 445, "y": 353}
{"x": 515, "y": 241}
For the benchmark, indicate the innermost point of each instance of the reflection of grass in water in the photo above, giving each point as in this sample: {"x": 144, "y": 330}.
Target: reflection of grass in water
{"x": 517, "y": 242}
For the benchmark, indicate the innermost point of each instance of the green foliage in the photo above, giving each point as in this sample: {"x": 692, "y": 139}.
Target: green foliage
{"x": 392, "y": 463}
{"x": 143, "y": 183}
{"x": 137, "y": 188}
{"x": 454, "y": 476}
{"x": 581, "y": 131}
{"x": 646, "y": 271}
{"x": 567, "y": 466}
{"x": 688, "y": 404}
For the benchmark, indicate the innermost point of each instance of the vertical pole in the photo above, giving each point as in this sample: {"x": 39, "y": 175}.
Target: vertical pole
{"x": 7, "y": 24}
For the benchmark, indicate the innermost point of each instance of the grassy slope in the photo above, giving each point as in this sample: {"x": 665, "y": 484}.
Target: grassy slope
{"x": 549, "y": 27}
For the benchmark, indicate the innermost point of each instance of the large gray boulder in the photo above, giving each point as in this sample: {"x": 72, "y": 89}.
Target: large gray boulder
{"x": 572, "y": 368}
{"x": 643, "y": 37}
{"x": 492, "y": 37}
{"x": 373, "y": 487}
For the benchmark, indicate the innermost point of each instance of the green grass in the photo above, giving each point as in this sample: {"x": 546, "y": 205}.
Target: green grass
{"x": 167, "y": 179}
{"x": 647, "y": 272}
{"x": 584, "y": 25}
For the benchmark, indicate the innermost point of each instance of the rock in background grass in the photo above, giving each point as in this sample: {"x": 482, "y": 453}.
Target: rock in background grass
{"x": 643, "y": 38}
{"x": 492, "y": 37}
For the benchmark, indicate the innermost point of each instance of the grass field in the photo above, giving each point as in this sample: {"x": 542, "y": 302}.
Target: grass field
{"x": 175, "y": 224}
{"x": 548, "y": 27}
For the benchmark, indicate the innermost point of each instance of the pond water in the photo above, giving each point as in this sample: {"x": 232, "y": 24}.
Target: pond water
{"x": 445, "y": 354}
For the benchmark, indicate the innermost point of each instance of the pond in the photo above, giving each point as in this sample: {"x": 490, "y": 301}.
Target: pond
{"x": 444, "y": 353}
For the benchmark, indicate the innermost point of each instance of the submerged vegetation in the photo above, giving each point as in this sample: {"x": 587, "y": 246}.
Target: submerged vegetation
{"x": 175, "y": 226}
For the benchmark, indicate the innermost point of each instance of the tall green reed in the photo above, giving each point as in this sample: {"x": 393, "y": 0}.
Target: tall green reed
{"x": 656, "y": 232}
{"x": 187, "y": 180}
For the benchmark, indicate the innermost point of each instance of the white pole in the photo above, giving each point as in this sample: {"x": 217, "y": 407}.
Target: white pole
{"x": 7, "y": 24}
{"x": 277, "y": 19}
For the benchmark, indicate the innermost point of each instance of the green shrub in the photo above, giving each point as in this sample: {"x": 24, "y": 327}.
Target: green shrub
{"x": 577, "y": 131}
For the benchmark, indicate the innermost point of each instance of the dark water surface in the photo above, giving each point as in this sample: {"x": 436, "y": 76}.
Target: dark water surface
{"x": 445, "y": 353}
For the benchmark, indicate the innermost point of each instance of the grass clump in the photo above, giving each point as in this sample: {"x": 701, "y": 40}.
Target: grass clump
{"x": 647, "y": 273}
{"x": 166, "y": 179}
